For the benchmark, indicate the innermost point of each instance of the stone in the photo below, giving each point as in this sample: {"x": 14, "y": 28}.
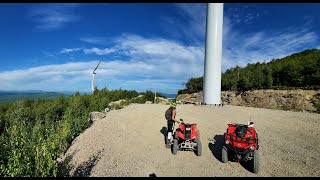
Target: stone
{"x": 94, "y": 116}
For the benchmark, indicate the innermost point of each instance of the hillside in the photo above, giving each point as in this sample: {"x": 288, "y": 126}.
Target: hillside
{"x": 34, "y": 132}
{"x": 299, "y": 70}
{"x": 289, "y": 83}
{"x": 294, "y": 100}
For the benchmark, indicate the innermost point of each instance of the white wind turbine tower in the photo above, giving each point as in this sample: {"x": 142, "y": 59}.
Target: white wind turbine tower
{"x": 93, "y": 73}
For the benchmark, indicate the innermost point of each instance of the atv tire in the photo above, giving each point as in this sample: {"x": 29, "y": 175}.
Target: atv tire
{"x": 199, "y": 147}
{"x": 198, "y": 133}
{"x": 255, "y": 161}
{"x": 175, "y": 146}
{"x": 224, "y": 153}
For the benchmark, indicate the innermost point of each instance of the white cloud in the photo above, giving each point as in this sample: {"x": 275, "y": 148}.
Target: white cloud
{"x": 53, "y": 16}
{"x": 242, "y": 13}
{"x": 157, "y": 63}
{"x": 189, "y": 24}
{"x": 66, "y": 50}
{"x": 49, "y": 77}
{"x": 98, "y": 51}
{"x": 152, "y": 63}
{"x": 95, "y": 40}
{"x": 241, "y": 47}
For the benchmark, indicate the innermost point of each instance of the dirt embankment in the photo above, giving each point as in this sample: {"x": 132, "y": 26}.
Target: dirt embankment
{"x": 295, "y": 100}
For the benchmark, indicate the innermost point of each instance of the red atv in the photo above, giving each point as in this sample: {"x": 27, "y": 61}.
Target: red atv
{"x": 241, "y": 143}
{"x": 187, "y": 137}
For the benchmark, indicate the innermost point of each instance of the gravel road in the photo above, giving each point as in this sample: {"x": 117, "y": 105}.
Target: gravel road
{"x": 130, "y": 142}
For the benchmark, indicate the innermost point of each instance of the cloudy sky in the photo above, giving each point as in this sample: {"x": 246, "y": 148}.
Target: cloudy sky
{"x": 55, "y": 47}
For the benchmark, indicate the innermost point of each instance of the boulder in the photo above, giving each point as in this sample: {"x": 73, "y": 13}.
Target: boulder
{"x": 116, "y": 102}
{"x": 93, "y": 116}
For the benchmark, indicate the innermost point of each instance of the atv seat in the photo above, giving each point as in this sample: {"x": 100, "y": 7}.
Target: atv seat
{"x": 241, "y": 130}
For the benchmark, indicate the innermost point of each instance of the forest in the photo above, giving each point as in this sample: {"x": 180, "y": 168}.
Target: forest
{"x": 299, "y": 70}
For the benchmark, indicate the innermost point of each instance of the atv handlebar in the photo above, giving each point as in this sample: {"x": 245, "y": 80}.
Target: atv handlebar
{"x": 183, "y": 123}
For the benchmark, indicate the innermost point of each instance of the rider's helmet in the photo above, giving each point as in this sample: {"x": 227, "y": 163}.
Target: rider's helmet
{"x": 173, "y": 103}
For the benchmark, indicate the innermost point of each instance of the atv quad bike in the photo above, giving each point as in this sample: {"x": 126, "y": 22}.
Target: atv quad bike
{"x": 241, "y": 143}
{"x": 187, "y": 137}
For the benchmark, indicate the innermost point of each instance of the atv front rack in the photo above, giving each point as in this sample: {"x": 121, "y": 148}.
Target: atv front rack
{"x": 186, "y": 145}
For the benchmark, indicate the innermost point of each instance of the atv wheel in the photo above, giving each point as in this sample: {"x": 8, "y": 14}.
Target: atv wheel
{"x": 224, "y": 154}
{"x": 255, "y": 162}
{"x": 175, "y": 146}
{"x": 199, "y": 147}
{"x": 198, "y": 133}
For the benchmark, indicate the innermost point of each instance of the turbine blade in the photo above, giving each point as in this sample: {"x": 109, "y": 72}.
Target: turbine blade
{"x": 97, "y": 66}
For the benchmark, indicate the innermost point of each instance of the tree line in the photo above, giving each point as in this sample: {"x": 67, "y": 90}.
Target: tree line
{"x": 299, "y": 70}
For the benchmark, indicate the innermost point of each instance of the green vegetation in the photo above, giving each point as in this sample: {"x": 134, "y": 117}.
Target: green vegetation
{"x": 38, "y": 131}
{"x": 299, "y": 70}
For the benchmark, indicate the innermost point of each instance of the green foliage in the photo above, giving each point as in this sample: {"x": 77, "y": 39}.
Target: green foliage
{"x": 193, "y": 85}
{"x": 139, "y": 100}
{"x": 38, "y": 131}
{"x": 299, "y": 70}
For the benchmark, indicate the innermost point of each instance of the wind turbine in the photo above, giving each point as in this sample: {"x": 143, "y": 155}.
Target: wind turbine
{"x": 213, "y": 55}
{"x": 93, "y": 73}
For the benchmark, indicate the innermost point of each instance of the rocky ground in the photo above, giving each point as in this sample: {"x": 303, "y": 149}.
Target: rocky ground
{"x": 294, "y": 100}
{"x": 130, "y": 142}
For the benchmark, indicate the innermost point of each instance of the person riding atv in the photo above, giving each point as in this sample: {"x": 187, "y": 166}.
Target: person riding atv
{"x": 170, "y": 116}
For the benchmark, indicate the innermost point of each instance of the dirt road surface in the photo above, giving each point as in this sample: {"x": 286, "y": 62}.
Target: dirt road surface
{"x": 130, "y": 142}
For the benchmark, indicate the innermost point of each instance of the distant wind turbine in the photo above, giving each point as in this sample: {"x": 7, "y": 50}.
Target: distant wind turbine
{"x": 93, "y": 73}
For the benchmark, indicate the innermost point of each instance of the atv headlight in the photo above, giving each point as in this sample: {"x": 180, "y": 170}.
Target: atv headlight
{"x": 227, "y": 142}
{"x": 251, "y": 147}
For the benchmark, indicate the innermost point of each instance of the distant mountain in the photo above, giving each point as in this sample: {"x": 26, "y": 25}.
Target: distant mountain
{"x": 170, "y": 95}
{"x": 20, "y": 91}
{"x": 12, "y": 96}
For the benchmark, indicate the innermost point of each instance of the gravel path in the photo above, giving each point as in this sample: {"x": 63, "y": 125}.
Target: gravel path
{"x": 130, "y": 142}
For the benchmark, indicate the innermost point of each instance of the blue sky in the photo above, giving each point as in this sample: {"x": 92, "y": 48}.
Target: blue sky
{"x": 55, "y": 47}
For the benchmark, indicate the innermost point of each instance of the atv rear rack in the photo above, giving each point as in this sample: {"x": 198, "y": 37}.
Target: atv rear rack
{"x": 234, "y": 138}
